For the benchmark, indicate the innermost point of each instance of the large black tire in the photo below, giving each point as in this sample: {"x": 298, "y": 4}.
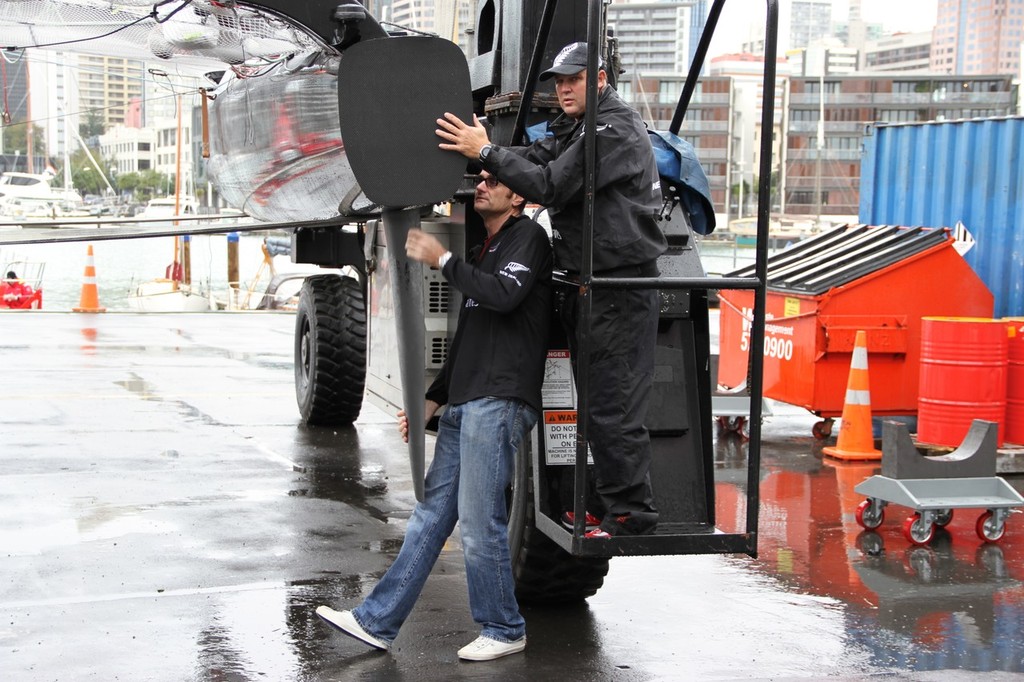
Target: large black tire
{"x": 545, "y": 574}
{"x": 330, "y": 350}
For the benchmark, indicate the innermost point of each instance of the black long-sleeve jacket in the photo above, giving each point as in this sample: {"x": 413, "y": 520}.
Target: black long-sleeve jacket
{"x": 627, "y": 199}
{"x": 500, "y": 344}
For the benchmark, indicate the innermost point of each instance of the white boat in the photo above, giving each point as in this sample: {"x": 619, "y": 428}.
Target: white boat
{"x": 168, "y": 208}
{"x": 34, "y": 185}
{"x": 29, "y": 196}
{"x": 168, "y": 296}
{"x": 781, "y": 230}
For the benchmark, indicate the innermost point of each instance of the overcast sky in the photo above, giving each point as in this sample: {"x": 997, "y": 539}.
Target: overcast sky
{"x": 739, "y": 22}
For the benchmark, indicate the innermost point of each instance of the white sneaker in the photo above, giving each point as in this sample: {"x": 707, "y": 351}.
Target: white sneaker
{"x": 487, "y": 649}
{"x": 347, "y": 623}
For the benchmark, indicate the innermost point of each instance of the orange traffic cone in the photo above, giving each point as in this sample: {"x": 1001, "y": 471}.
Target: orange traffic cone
{"x": 855, "y": 441}
{"x": 90, "y": 299}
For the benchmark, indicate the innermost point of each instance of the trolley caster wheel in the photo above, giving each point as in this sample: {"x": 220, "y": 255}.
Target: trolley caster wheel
{"x": 870, "y": 514}
{"x": 943, "y": 517}
{"x": 823, "y": 429}
{"x": 917, "y": 531}
{"x": 737, "y": 425}
{"x": 990, "y": 526}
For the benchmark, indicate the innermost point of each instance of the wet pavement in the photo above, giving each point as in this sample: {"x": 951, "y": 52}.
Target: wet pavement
{"x": 164, "y": 516}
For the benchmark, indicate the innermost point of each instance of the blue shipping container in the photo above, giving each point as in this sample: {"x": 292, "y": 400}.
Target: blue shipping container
{"x": 935, "y": 174}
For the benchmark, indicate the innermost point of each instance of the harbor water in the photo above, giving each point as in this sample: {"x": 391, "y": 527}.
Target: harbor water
{"x": 121, "y": 265}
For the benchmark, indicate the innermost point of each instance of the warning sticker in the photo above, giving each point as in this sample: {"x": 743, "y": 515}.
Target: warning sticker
{"x": 560, "y": 437}
{"x": 558, "y": 389}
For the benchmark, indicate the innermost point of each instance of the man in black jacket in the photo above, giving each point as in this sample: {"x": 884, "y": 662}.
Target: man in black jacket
{"x": 627, "y": 243}
{"x": 491, "y": 382}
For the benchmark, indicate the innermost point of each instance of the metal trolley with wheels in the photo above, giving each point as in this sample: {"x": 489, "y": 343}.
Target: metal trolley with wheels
{"x": 934, "y": 487}
{"x": 933, "y": 502}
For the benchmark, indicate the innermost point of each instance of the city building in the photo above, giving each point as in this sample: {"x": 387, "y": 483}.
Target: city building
{"x": 653, "y": 37}
{"x": 706, "y": 125}
{"x": 15, "y": 108}
{"x": 449, "y": 19}
{"x": 902, "y": 52}
{"x": 802, "y": 22}
{"x": 698, "y": 18}
{"x": 747, "y": 74}
{"x": 826, "y": 57}
{"x": 55, "y": 98}
{"x": 107, "y": 85}
{"x": 825, "y": 122}
{"x": 130, "y": 149}
{"x": 855, "y": 32}
{"x": 979, "y": 37}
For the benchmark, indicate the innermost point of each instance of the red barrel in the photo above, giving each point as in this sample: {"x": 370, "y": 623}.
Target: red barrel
{"x": 962, "y": 378}
{"x": 1015, "y": 383}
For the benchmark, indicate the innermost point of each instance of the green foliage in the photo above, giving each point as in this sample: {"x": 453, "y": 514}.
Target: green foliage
{"x": 92, "y": 125}
{"x": 84, "y": 176}
{"x": 14, "y": 139}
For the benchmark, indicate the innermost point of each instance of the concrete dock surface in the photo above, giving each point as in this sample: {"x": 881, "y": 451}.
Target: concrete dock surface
{"x": 165, "y": 516}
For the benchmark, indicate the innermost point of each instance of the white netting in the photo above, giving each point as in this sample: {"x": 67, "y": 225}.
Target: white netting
{"x": 200, "y": 34}
{"x": 276, "y": 147}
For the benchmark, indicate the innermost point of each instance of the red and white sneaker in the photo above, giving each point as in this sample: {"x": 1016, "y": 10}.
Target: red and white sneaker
{"x": 591, "y": 521}
{"x": 598, "y": 534}
{"x": 637, "y": 523}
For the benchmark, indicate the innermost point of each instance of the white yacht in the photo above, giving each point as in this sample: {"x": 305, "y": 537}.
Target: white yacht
{"x": 30, "y": 195}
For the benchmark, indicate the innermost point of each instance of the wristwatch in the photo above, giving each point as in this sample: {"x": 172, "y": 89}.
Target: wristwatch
{"x": 485, "y": 152}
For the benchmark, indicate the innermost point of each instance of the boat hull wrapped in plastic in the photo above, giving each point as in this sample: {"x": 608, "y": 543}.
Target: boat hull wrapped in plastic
{"x": 277, "y": 151}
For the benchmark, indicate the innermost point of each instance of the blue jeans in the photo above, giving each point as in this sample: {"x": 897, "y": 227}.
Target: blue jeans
{"x": 474, "y": 459}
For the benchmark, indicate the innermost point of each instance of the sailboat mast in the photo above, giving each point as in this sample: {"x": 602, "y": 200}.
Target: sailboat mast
{"x": 66, "y": 119}
{"x": 28, "y": 116}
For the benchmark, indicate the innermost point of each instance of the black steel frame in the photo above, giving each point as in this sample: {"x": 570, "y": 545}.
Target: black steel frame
{"x": 701, "y": 540}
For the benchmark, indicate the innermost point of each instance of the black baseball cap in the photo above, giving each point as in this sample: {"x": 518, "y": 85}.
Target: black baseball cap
{"x": 571, "y": 59}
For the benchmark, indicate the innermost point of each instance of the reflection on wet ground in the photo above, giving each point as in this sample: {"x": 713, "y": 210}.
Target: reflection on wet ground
{"x": 163, "y": 516}
{"x": 956, "y": 602}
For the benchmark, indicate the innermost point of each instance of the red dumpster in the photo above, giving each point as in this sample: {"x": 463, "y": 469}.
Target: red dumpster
{"x": 882, "y": 279}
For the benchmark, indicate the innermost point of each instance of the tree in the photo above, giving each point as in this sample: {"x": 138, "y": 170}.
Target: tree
{"x": 150, "y": 182}
{"x": 84, "y": 176}
{"x": 14, "y": 139}
{"x": 93, "y": 125}
{"x": 128, "y": 182}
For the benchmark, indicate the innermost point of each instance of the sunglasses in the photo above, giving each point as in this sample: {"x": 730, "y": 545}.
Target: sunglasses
{"x": 490, "y": 181}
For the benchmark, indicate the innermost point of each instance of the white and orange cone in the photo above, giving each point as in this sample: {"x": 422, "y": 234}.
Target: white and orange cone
{"x": 89, "y": 302}
{"x": 855, "y": 440}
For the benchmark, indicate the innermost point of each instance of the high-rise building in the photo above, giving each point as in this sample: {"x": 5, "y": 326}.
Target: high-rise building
{"x": 55, "y": 103}
{"x": 808, "y": 21}
{"x": 978, "y": 37}
{"x": 448, "y": 19}
{"x": 653, "y": 37}
{"x": 106, "y": 85}
{"x": 14, "y": 108}
{"x": 698, "y": 18}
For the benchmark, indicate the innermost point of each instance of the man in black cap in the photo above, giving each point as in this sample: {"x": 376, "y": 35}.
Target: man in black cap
{"x": 627, "y": 243}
